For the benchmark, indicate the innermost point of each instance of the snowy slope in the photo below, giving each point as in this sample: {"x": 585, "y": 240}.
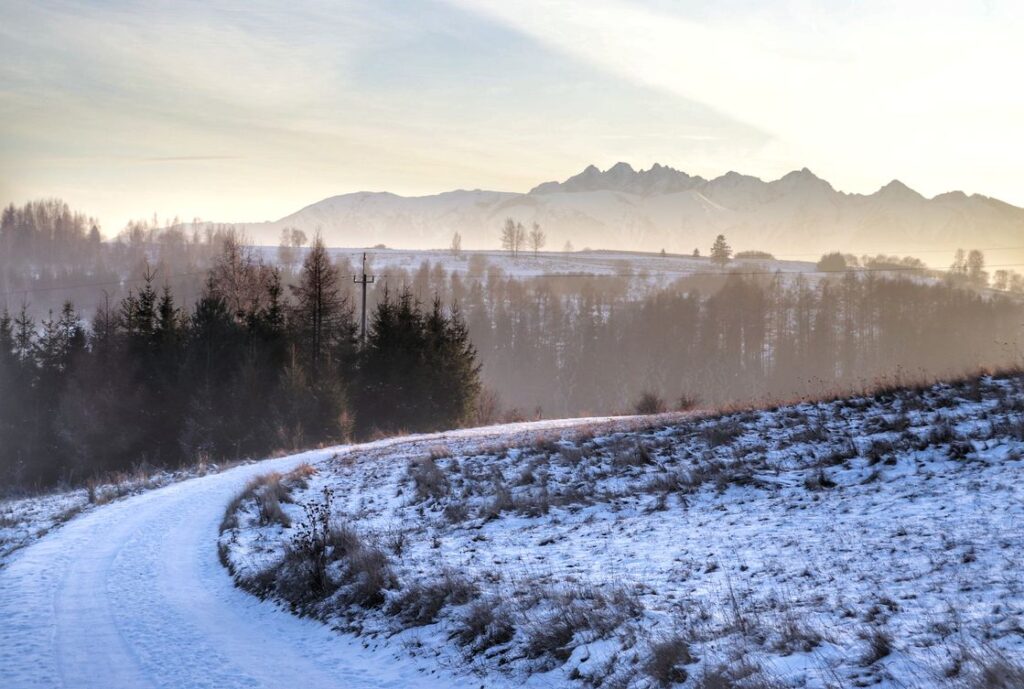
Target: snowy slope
{"x": 863, "y": 542}
{"x": 798, "y": 215}
{"x": 651, "y": 269}
{"x": 131, "y": 594}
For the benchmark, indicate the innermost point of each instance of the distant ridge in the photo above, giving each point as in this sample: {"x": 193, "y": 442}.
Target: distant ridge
{"x": 622, "y": 177}
{"x": 666, "y": 208}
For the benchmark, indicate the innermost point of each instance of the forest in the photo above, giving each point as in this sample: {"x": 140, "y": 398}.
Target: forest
{"x": 202, "y": 348}
{"x": 249, "y": 369}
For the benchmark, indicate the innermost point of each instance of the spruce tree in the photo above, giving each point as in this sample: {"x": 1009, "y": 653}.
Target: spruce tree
{"x": 721, "y": 252}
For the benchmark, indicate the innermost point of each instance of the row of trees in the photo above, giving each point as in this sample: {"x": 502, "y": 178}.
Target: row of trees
{"x": 578, "y": 344}
{"x": 49, "y": 253}
{"x": 515, "y": 237}
{"x": 252, "y": 367}
{"x": 969, "y": 268}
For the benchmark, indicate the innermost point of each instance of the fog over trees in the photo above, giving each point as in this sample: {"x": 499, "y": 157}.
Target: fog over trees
{"x": 202, "y": 349}
{"x": 252, "y": 367}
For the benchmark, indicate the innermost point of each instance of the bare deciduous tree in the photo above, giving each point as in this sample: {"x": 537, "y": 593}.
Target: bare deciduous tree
{"x": 537, "y": 238}
{"x": 513, "y": 236}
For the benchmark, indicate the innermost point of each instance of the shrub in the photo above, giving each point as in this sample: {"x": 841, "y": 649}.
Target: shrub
{"x": 420, "y": 603}
{"x": 666, "y": 660}
{"x": 722, "y": 432}
{"x": 484, "y": 625}
{"x": 879, "y": 646}
{"x": 366, "y": 577}
{"x": 649, "y": 403}
{"x": 995, "y": 671}
{"x": 428, "y": 479}
{"x": 638, "y": 456}
{"x": 270, "y": 508}
{"x": 570, "y": 454}
{"x": 818, "y": 481}
{"x": 304, "y": 575}
{"x": 577, "y": 611}
{"x": 960, "y": 449}
{"x": 687, "y": 403}
{"x": 796, "y": 636}
{"x": 832, "y": 263}
{"x": 270, "y": 492}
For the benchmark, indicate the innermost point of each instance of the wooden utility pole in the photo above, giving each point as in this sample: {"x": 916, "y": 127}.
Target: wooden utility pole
{"x": 364, "y": 280}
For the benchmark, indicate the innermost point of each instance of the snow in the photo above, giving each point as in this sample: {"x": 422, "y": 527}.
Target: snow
{"x": 862, "y": 542}
{"x": 642, "y": 271}
{"x": 799, "y": 215}
{"x": 25, "y": 519}
{"x": 132, "y": 594}
{"x": 870, "y": 541}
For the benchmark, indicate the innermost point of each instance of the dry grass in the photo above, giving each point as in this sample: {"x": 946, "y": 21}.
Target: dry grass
{"x": 879, "y": 646}
{"x": 990, "y": 669}
{"x": 419, "y": 604}
{"x": 484, "y": 625}
{"x": 268, "y": 491}
{"x": 545, "y": 622}
{"x": 428, "y": 479}
{"x": 666, "y": 660}
{"x": 8, "y": 519}
{"x": 574, "y": 615}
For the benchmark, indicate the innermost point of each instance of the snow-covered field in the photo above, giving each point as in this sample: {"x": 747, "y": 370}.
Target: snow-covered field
{"x": 643, "y": 269}
{"x": 560, "y": 263}
{"x": 871, "y": 541}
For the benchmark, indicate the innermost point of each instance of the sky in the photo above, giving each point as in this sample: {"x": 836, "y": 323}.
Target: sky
{"x": 249, "y": 110}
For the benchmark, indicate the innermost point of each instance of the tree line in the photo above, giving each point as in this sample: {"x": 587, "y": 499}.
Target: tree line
{"x": 573, "y": 345}
{"x": 50, "y": 253}
{"x": 252, "y": 367}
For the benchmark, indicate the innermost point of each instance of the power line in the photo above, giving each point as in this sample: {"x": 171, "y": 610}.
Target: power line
{"x": 363, "y": 280}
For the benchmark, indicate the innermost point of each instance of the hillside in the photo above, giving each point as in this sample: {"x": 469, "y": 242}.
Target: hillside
{"x": 798, "y": 215}
{"x": 869, "y": 541}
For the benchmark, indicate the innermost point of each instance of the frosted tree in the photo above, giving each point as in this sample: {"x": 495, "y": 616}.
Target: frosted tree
{"x": 456, "y": 245}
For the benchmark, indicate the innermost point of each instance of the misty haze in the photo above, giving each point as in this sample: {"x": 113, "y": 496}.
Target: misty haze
{"x": 511, "y": 344}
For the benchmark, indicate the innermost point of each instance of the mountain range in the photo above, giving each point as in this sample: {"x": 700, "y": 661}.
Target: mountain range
{"x": 798, "y": 215}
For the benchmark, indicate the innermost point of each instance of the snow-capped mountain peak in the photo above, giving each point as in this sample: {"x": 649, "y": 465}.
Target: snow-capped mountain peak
{"x": 621, "y": 177}
{"x": 664, "y": 208}
{"x": 898, "y": 190}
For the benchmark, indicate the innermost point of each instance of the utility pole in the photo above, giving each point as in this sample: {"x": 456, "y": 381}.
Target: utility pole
{"x": 364, "y": 280}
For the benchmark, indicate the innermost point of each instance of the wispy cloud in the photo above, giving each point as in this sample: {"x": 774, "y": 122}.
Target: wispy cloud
{"x": 922, "y": 88}
{"x": 181, "y": 159}
{"x": 247, "y": 112}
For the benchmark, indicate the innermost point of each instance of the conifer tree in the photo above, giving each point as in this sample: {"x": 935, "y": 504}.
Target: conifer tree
{"x": 721, "y": 252}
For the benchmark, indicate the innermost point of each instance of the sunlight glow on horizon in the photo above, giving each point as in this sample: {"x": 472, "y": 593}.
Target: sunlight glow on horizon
{"x": 124, "y": 109}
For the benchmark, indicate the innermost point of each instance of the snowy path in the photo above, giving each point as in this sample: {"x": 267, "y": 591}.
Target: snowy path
{"x": 132, "y": 595}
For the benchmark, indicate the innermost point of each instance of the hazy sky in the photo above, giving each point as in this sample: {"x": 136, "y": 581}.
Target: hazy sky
{"x": 248, "y": 110}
